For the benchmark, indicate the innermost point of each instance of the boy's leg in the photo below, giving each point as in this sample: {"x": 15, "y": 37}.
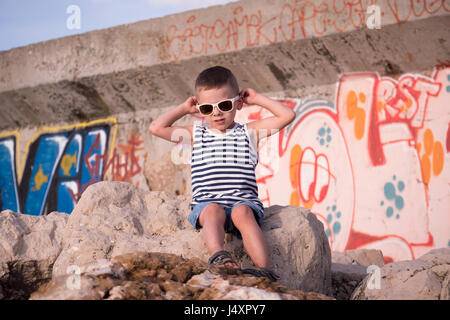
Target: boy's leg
{"x": 252, "y": 236}
{"x": 212, "y": 220}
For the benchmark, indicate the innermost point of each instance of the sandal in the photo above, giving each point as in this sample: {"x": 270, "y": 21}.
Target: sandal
{"x": 262, "y": 272}
{"x": 223, "y": 258}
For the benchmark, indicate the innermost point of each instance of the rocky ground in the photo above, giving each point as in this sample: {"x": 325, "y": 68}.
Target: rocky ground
{"x": 149, "y": 275}
{"x": 123, "y": 243}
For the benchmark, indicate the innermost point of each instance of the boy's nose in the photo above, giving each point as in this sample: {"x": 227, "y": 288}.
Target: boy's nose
{"x": 216, "y": 111}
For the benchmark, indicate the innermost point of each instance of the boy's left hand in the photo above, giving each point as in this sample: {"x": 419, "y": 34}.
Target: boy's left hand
{"x": 248, "y": 96}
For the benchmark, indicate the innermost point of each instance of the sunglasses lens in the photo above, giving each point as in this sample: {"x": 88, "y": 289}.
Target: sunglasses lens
{"x": 226, "y": 106}
{"x": 206, "y": 109}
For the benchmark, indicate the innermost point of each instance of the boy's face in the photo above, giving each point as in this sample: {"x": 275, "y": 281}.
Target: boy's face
{"x": 213, "y": 96}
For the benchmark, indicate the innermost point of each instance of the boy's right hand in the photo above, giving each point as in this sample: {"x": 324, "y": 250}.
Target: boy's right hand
{"x": 190, "y": 105}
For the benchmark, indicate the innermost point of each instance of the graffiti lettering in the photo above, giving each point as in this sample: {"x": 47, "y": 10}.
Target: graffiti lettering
{"x": 300, "y": 19}
{"x": 373, "y": 166}
{"x": 58, "y": 161}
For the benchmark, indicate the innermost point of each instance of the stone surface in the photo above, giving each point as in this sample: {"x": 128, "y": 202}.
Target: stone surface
{"x": 345, "y": 278}
{"x": 122, "y": 242}
{"x": 29, "y": 245}
{"x": 114, "y": 218}
{"x": 426, "y": 278}
{"x": 349, "y": 268}
{"x": 149, "y": 275}
{"x": 157, "y": 171}
{"x": 363, "y": 257}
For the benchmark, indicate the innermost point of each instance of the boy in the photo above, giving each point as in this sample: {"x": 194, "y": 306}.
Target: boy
{"x": 224, "y": 157}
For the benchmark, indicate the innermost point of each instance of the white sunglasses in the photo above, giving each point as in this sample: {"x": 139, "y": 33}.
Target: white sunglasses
{"x": 226, "y": 105}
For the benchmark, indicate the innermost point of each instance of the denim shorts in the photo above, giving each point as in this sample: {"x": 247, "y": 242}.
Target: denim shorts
{"x": 229, "y": 226}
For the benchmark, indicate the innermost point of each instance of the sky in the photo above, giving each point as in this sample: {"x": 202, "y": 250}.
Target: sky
{"x": 23, "y": 22}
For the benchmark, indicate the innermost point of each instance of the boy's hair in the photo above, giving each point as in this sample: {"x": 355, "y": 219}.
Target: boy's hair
{"x": 216, "y": 77}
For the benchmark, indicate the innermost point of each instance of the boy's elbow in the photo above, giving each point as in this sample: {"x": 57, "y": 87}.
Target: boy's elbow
{"x": 291, "y": 116}
{"x": 153, "y": 128}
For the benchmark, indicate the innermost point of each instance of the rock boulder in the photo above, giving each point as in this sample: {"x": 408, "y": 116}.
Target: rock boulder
{"x": 162, "y": 276}
{"x": 426, "y": 278}
{"x": 114, "y": 218}
{"x": 349, "y": 268}
{"x": 29, "y": 246}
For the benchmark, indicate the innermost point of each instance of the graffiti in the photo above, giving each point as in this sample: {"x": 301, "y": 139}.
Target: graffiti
{"x": 128, "y": 168}
{"x": 373, "y": 166}
{"x": 60, "y": 164}
{"x": 295, "y": 19}
{"x": 416, "y": 8}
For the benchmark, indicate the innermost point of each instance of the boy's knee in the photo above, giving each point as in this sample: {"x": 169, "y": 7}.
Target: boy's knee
{"x": 213, "y": 213}
{"x": 242, "y": 214}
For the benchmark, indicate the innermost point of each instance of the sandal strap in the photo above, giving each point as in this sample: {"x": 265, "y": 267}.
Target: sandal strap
{"x": 262, "y": 272}
{"x": 221, "y": 257}
{"x": 270, "y": 274}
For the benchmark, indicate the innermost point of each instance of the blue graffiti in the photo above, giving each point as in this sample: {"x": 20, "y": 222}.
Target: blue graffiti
{"x": 9, "y": 198}
{"x": 58, "y": 168}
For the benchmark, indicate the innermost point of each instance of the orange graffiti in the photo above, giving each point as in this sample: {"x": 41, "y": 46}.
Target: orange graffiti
{"x": 438, "y": 158}
{"x": 301, "y": 19}
{"x": 128, "y": 168}
{"x": 294, "y": 166}
{"x": 432, "y": 150}
{"x": 398, "y": 190}
{"x": 357, "y": 113}
{"x": 294, "y": 173}
{"x": 428, "y": 141}
{"x": 294, "y": 200}
{"x": 309, "y": 204}
{"x": 416, "y": 8}
{"x": 426, "y": 169}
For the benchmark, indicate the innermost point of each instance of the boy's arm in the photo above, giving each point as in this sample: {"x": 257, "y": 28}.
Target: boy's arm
{"x": 162, "y": 126}
{"x": 283, "y": 115}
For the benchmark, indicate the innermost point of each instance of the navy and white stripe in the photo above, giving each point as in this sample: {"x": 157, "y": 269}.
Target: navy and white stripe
{"x": 223, "y": 166}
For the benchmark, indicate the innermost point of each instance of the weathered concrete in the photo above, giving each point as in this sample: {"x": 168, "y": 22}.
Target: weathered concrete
{"x": 139, "y": 66}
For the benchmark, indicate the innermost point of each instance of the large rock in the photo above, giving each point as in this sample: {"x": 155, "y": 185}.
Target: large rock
{"x": 114, "y": 218}
{"x": 149, "y": 275}
{"x": 349, "y": 268}
{"x": 426, "y": 278}
{"x": 29, "y": 245}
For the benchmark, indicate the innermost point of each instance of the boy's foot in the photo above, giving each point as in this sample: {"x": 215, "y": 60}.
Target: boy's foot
{"x": 262, "y": 272}
{"x": 223, "y": 258}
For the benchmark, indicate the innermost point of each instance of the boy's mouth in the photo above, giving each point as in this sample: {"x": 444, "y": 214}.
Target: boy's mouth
{"x": 219, "y": 121}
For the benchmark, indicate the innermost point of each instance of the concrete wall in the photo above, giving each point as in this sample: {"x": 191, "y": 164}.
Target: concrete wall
{"x": 368, "y": 151}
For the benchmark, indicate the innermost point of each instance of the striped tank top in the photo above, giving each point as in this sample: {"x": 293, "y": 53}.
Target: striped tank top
{"x": 223, "y": 166}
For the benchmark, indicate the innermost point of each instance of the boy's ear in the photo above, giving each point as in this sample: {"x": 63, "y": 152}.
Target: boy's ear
{"x": 239, "y": 104}
{"x": 240, "y": 101}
